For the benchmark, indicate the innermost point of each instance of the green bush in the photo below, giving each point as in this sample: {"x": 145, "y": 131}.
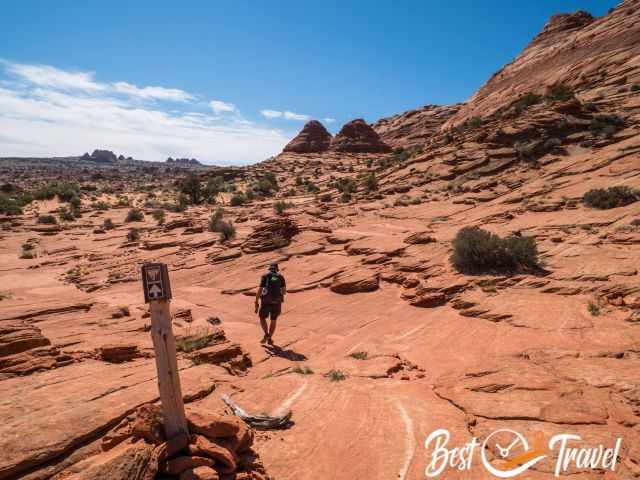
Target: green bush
{"x": 558, "y": 92}
{"x": 134, "y": 215}
{"x": 474, "y": 122}
{"x": 9, "y": 206}
{"x": 612, "y": 197}
{"x": 75, "y": 202}
{"x": 227, "y": 230}
{"x": 280, "y": 206}
{"x": 326, "y": 197}
{"x": 67, "y": 191}
{"x": 214, "y": 186}
{"x": 66, "y": 215}
{"x": 478, "y": 251}
{"x": 100, "y": 205}
{"x": 346, "y": 184}
{"x": 370, "y": 182}
{"x": 45, "y": 193}
{"x": 312, "y": 188}
{"x": 237, "y": 200}
{"x": 181, "y": 203}
{"x": 159, "y": 216}
{"x": 133, "y": 235}
{"x": 635, "y": 87}
{"x": 216, "y": 218}
{"x": 47, "y": 220}
{"x": 345, "y": 197}
{"x": 108, "y": 224}
{"x": 249, "y": 195}
{"x": 525, "y": 102}
{"x": 336, "y": 375}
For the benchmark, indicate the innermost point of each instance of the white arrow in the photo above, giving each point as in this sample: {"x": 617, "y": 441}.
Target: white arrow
{"x": 155, "y": 291}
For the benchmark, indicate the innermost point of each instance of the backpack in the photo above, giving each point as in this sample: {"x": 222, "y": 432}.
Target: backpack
{"x": 272, "y": 290}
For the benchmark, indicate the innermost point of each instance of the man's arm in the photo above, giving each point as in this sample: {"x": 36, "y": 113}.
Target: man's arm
{"x": 284, "y": 286}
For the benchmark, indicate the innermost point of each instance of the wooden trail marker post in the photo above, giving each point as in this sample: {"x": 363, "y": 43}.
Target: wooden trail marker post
{"x": 157, "y": 293}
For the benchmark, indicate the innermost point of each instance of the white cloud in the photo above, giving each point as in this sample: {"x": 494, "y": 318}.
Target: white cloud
{"x": 218, "y": 106}
{"x": 329, "y": 120}
{"x": 271, "y": 113}
{"x": 66, "y": 114}
{"x": 159, "y": 93}
{"x": 47, "y": 76}
{"x": 287, "y": 115}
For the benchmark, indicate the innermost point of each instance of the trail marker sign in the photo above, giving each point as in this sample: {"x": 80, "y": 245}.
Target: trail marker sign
{"x": 155, "y": 282}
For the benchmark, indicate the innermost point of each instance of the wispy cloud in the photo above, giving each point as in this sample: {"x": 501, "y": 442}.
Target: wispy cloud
{"x": 218, "y": 107}
{"x": 54, "y": 112}
{"x": 329, "y": 120}
{"x": 161, "y": 93}
{"x": 47, "y": 76}
{"x": 287, "y": 115}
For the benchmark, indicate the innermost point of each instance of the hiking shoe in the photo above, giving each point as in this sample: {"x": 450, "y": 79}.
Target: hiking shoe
{"x": 270, "y": 340}
{"x": 265, "y": 339}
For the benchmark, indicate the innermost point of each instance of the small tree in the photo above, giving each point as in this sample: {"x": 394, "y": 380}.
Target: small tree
{"x": 215, "y": 220}
{"x": 190, "y": 186}
{"x": 133, "y": 235}
{"x": 227, "y": 231}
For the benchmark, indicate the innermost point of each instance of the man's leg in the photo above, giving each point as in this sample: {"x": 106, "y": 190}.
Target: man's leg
{"x": 275, "y": 312}
{"x": 263, "y": 324}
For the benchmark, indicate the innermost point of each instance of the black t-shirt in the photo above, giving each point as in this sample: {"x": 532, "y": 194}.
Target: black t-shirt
{"x": 265, "y": 281}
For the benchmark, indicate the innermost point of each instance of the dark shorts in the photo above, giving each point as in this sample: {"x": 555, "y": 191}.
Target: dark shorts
{"x": 270, "y": 309}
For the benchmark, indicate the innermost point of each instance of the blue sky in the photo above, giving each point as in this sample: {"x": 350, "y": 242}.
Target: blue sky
{"x": 232, "y": 81}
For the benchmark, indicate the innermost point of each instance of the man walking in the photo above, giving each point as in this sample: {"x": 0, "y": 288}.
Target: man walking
{"x": 269, "y": 298}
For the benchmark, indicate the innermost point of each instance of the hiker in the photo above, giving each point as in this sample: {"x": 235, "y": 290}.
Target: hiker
{"x": 269, "y": 298}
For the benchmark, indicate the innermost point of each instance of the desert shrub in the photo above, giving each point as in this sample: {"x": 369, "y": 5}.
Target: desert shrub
{"x": 525, "y": 102}
{"x": 558, "y": 92}
{"x": 108, "y": 224}
{"x": 191, "y": 343}
{"x": 133, "y": 235}
{"x": 359, "y": 355}
{"x": 181, "y": 203}
{"x": 526, "y": 151}
{"x": 400, "y": 154}
{"x": 370, "y": 182}
{"x": 47, "y": 220}
{"x": 369, "y": 163}
{"x": 100, "y": 205}
{"x": 474, "y": 122}
{"x": 552, "y": 143}
{"x": 605, "y": 125}
{"x": 299, "y": 180}
{"x": 593, "y": 309}
{"x": 302, "y": 370}
{"x": 67, "y": 191}
{"x": 213, "y": 187}
{"x": 159, "y": 216}
{"x": 45, "y": 193}
{"x": 237, "y": 200}
{"x": 325, "y": 197}
{"x": 612, "y": 197}
{"x": 10, "y": 206}
{"x": 290, "y": 193}
{"x": 121, "y": 311}
{"x": 336, "y": 375}
{"x": 227, "y": 230}
{"x": 134, "y": 215}
{"x": 280, "y": 206}
{"x": 28, "y": 251}
{"x": 266, "y": 184}
{"x": 635, "y": 87}
{"x": 635, "y": 222}
{"x": 478, "y": 251}
{"x": 75, "y": 202}
{"x": 345, "y": 197}
{"x": 346, "y": 184}
{"x": 66, "y": 214}
{"x": 312, "y": 188}
{"x": 215, "y": 220}
{"x": 191, "y": 187}
{"x": 249, "y": 195}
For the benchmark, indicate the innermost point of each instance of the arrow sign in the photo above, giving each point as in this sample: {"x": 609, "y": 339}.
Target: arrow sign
{"x": 155, "y": 282}
{"x": 155, "y": 291}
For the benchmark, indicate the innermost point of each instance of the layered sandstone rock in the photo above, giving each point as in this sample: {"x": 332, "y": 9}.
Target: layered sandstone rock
{"x": 357, "y": 136}
{"x": 313, "y": 138}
